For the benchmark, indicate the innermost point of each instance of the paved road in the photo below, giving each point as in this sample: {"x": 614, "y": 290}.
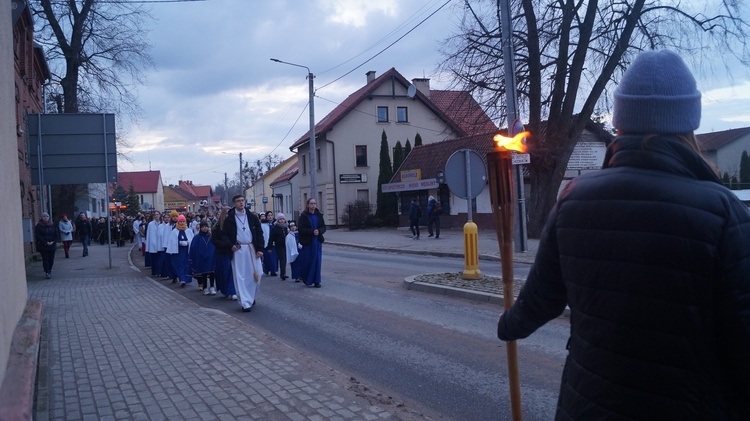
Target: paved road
{"x": 117, "y": 345}
{"x": 429, "y": 350}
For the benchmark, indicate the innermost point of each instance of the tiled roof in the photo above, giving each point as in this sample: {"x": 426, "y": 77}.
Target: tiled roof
{"x": 431, "y": 158}
{"x": 715, "y": 140}
{"x": 288, "y": 174}
{"x": 198, "y": 191}
{"x": 464, "y": 110}
{"x": 143, "y": 181}
{"x": 457, "y": 109}
{"x": 174, "y": 194}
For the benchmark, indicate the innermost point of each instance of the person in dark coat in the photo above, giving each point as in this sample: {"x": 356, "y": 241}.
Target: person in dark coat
{"x": 45, "y": 236}
{"x": 223, "y": 245}
{"x": 415, "y": 212}
{"x": 311, "y": 226}
{"x": 651, "y": 255}
{"x": 84, "y": 230}
{"x": 244, "y": 231}
{"x": 277, "y": 241}
{"x": 434, "y": 210}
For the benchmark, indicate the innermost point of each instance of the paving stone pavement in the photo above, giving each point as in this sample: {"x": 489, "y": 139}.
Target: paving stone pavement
{"x": 117, "y": 345}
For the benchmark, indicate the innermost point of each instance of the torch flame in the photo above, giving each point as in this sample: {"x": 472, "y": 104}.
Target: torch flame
{"x": 514, "y": 143}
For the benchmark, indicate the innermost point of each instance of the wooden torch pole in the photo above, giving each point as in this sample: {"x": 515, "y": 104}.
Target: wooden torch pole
{"x": 502, "y": 196}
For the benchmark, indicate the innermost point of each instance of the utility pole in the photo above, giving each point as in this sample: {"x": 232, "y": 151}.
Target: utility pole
{"x": 313, "y": 149}
{"x": 226, "y": 190}
{"x": 242, "y": 186}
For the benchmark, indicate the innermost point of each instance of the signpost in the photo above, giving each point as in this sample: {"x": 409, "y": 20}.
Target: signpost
{"x": 466, "y": 176}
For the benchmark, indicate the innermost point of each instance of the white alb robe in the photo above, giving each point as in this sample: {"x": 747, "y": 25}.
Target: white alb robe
{"x": 244, "y": 263}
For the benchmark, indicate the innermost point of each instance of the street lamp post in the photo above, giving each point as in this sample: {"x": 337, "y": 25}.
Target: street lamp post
{"x": 313, "y": 149}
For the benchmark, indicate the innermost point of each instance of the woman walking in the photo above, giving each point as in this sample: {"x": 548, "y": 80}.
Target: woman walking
{"x": 224, "y": 278}
{"x": 65, "y": 226}
{"x": 45, "y": 236}
{"x": 311, "y": 230}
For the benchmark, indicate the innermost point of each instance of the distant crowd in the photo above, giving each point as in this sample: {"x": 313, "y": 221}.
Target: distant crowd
{"x": 211, "y": 249}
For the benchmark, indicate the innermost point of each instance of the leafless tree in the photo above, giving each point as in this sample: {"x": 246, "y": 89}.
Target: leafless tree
{"x": 569, "y": 54}
{"x": 97, "y": 51}
{"x": 255, "y": 169}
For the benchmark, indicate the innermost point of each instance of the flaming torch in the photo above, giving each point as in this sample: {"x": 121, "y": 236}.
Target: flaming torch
{"x": 502, "y": 197}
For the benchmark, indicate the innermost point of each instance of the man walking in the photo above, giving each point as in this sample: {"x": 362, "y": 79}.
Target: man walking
{"x": 414, "y": 213}
{"x": 243, "y": 228}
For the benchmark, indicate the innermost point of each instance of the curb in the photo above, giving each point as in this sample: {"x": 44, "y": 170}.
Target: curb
{"x": 17, "y": 390}
{"x": 486, "y": 257}
{"x": 411, "y": 284}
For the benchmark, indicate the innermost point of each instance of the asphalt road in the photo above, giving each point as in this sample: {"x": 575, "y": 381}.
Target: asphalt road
{"x": 435, "y": 353}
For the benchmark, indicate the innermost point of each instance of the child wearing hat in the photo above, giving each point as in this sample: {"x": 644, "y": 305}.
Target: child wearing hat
{"x": 177, "y": 249}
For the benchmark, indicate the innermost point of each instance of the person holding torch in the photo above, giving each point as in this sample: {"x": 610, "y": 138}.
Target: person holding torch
{"x": 652, "y": 255}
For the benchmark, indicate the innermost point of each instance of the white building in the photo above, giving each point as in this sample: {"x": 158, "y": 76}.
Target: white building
{"x": 348, "y": 138}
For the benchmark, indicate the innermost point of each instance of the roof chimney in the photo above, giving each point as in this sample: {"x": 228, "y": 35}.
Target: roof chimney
{"x": 370, "y": 76}
{"x": 422, "y": 85}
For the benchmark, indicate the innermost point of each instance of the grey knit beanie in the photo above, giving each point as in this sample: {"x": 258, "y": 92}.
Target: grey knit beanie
{"x": 657, "y": 94}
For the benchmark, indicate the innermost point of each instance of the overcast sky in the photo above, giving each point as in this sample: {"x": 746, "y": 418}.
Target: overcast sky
{"x": 215, "y": 92}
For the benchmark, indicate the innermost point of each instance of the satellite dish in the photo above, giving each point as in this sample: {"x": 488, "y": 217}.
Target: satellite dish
{"x": 411, "y": 92}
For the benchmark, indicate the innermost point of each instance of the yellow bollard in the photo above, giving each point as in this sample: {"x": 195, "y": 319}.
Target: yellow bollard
{"x": 471, "y": 251}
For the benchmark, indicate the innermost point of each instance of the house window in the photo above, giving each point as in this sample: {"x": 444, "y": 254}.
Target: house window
{"x": 317, "y": 158}
{"x": 304, "y": 164}
{"x": 364, "y": 195}
{"x": 360, "y": 159}
{"x": 402, "y": 114}
{"x": 382, "y": 114}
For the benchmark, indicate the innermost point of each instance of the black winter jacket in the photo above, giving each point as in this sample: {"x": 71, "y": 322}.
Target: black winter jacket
{"x": 230, "y": 230}
{"x": 305, "y": 228}
{"x": 46, "y": 233}
{"x": 277, "y": 238}
{"x": 652, "y": 255}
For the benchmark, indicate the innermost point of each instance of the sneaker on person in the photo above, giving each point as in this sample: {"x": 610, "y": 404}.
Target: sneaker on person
{"x": 206, "y": 291}
{"x": 212, "y": 291}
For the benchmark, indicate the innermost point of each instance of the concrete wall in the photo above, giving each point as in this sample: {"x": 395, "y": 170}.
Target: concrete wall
{"x": 13, "y": 282}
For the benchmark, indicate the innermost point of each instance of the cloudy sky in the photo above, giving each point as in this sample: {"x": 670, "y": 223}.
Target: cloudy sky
{"x": 216, "y": 93}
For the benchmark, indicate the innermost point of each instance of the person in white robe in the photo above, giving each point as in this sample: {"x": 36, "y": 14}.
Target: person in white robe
{"x": 244, "y": 229}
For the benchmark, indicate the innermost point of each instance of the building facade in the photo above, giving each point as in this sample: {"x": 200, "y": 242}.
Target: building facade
{"x": 147, "y": 185}
{"x": 348, "y": 139}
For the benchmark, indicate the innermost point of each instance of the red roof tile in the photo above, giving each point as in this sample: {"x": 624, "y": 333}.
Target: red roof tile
{"x": 715, "y": 140}
{"x": 143, "y": 181}
{"x": 464, "y": 110}
{"x": 431, "y": 158}
{"x": 457, "y": 109}
{"x": 198, "y": 191}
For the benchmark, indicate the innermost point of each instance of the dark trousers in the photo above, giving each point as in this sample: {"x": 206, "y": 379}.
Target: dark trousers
{"x": 414, "y": 226}
{"x": 66, "y": 247}
{"x": 281, "y": 256}
{"x": 85, "y": 241}
{"x": 434, "y": 220}
{"x": 207, "y": 277}
{"x": 48, "y": 259}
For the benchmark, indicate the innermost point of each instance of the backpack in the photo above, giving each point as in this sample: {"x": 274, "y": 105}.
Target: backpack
{"x": 437, "y": 209}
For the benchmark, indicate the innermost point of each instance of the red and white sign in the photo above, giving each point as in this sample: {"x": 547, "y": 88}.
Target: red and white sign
{"x": 410, "y": 186}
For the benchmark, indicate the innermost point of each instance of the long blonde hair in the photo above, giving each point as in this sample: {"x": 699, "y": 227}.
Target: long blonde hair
{"x": 222, "y": 217}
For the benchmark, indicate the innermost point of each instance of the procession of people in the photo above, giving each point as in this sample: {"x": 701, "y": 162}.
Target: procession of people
{"x": 227, "y": 255}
